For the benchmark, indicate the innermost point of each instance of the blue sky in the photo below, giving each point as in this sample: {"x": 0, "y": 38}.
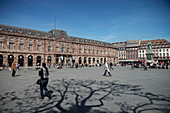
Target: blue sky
{"x": 104, "y": 20}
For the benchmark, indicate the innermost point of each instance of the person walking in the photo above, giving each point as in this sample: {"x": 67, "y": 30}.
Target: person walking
{"x": 44, "y": 77}
{"x": 111, "y": 66}
{"x": 145, "y": 66}
{"x": 107, "y": 69}
{"x": 13, "y": 68}
{"x": 132, "y": 66}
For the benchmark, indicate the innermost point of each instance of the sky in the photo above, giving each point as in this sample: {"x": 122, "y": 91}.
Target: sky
{"x": 104, "y": 20}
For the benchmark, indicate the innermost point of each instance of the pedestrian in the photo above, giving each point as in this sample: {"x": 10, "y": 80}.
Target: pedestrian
{"x": 18, "y": 67}
{"x": 106, "y": 69}
{"x": 44, "y": 77}
{"x": 111, "y": 66}
{"x": 13, "y": 68}
{"x": 145, "y": 66}
{"x": 166, "y": 65}
{"x": 132, "y": 65}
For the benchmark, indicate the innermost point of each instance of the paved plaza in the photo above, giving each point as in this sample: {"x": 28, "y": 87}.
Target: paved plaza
{"x": 86, "y": 90}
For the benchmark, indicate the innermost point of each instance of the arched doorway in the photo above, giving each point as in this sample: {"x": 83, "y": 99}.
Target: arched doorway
{"x": 56, "y": 60}
{"x": 85, "y": 61}
{"x": 89, "y": 60}
{"x": 1, "y": 60}
{"x": 49, "y": 60}
{"x": 21, "y": 60}
{"x": 93, "y": 60}
{"x": 104, "y": 60}
{"x": 30, "y": 60}
{"x": 98, "y": 60}
{"x": 79, "y": 60}
{"x": 73, "y": 60}
{"x": 38, "y": 60}
{"x": 101, "y": 60}
{"x": 10, "y": 60}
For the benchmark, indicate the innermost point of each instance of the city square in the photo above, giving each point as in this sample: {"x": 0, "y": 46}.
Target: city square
{"x": 86, "y": 90}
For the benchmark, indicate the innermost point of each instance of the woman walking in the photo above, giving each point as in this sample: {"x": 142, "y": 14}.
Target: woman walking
{"x": 43, "y": 73}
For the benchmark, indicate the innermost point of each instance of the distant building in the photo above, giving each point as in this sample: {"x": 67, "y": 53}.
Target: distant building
{"x": 160, "y": 48}
{"x": 135, "y": 50}
{"x": 31, "y": 47}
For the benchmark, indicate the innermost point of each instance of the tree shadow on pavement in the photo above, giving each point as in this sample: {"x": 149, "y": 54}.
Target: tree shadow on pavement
{"x": 83, "y": 96}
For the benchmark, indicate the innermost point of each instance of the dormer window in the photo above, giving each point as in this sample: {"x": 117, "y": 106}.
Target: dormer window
{"x": 20, "y": 31}
{"x": 38, "y": 34}
{"x": 47, "y": 35}
{"x": 1, "y": 28}
{"x": 29, "y": 32}
{"x": 10, "y": 29}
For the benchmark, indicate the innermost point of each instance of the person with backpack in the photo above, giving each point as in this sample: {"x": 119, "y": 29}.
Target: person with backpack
{"x": 44, "y": 77}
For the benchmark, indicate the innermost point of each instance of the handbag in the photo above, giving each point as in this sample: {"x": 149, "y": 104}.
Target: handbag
{"x": 38, "y": 81}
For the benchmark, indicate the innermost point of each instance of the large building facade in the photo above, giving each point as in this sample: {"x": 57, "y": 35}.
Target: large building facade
{"x": 29, "y": 47}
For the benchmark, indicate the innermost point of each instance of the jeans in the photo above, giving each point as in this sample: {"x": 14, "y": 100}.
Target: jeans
{"x": 43, "y": 86}
{"x": 106, "y": 72}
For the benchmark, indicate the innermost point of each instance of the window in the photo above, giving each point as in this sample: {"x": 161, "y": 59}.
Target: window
{"x": 93, "y": 51}
{"x": 49, "y": 48}
{"x": 20, "y": 46}
{"x": 39, "y": 47}
{"x": 73, "y": 50}
{"x": 30, "y": 42}
{"x": 49, "y": 44}
{"x": 67, "y": 50}
{"x": 21, "y": 40}
{"x": 156, "y": 54}
{"x": 11, "y": 39}
{"x": 1, "y": 45}
{"x": 0, "y": 38}
{"x": 160, "y": 54}
{"x": 56, "y": 44}
{"x": 163, "y": 54}
{"x": 30, "y": 47}
{"x": 62, "y": 50}
{"x": 167, "y": 54}
{"x": 80, "y": 50}
{"x": 11, "y": 46}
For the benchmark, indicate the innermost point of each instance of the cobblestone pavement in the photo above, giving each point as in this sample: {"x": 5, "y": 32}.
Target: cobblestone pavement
{"x": 86, "y": 90}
